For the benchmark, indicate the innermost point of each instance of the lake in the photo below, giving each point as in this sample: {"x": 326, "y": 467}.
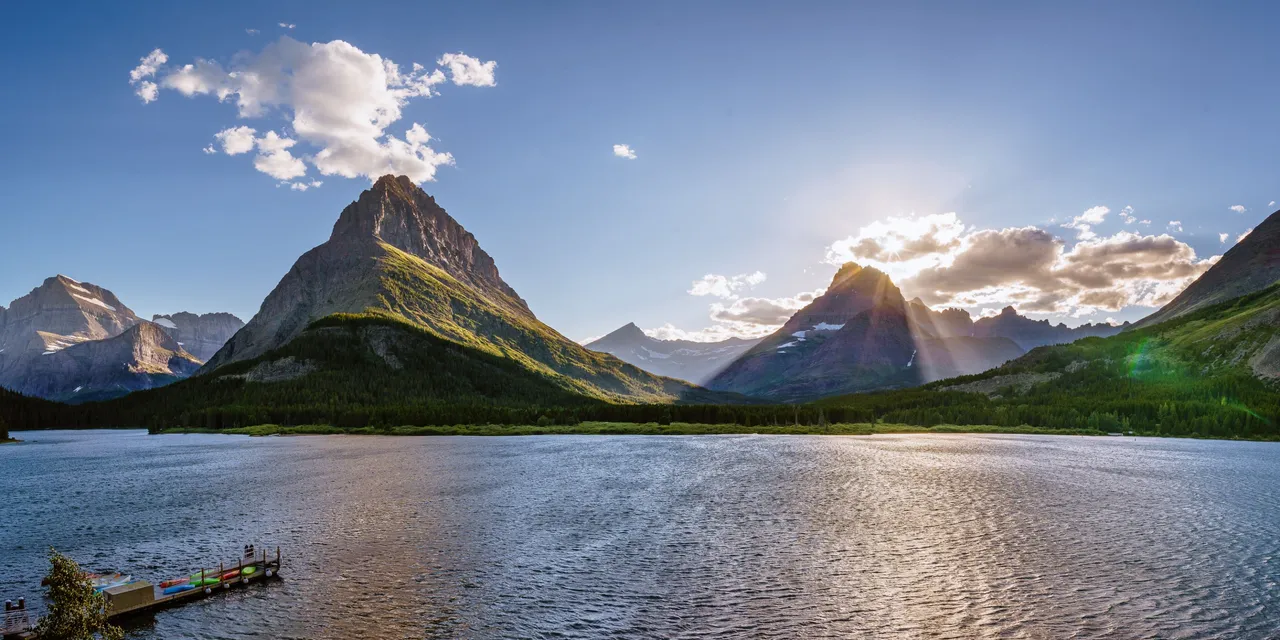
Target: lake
{"x": 908, "y": 536}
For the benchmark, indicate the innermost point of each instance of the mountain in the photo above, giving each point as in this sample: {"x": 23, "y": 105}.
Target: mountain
{"x": 1253, "y": 264}
{"x": 58, "y": 314}
{"x": 200, "y": 335}
{"x": 696, "y": 362}
{"x": 395, "y": 254}
{"x": 858, "y": 336}
{"x": 143, "y": 357}
{"x": 1030, "y": 334}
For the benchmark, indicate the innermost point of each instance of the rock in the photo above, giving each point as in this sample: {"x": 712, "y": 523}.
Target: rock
{"x": 200, "y": 335}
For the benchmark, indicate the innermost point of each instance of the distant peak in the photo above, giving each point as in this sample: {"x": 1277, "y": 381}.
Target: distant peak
{"x": 1009, "y": 311}
{"x": 628, "y": 331}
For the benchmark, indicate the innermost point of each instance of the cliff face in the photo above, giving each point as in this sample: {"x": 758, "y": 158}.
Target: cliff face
{"x": 200, "y": 335}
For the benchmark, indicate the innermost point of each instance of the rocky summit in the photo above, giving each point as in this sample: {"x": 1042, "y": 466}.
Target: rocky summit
{"x": 395, "y": 254}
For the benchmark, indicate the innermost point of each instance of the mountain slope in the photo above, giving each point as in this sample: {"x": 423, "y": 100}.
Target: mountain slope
{"x": 860, "y": 335}
{"x": 351, "y": 371}
{"x": 200, "y": 335}
{"x": 1252, "y": 265}
{"x": 394, "y": 253}
{"x": 143, "y": 357}
{"x": 696, "y": 362}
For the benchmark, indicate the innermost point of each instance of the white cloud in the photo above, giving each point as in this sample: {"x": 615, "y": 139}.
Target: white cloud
{"x": 236, "y": 140}
{"x": 1175, "y": 225}
{"x": 725, "y": 286}
{"x": 1271, "y": 204}
{"x": 1238, "y": 208}
{"x": 1126, "y": 214}
{"x": 1144, "y": 222}
{"x": 1244, "y": 235}
{"x": 1222, "y": 237}
{"x": 624, "y": 151}
{"x": 147, "y": 67}
{"x": 303, "y": 186}
{"x": 252, "y": 32}
{"x": 900, "y": 246}
{"x": 1083, "y": 223}
{"x": 286, "y": 25}
{"x": 465, "y": 70}
{"x": 274, "y": 158}
{"x": 339, "y": 102}
{"x": 209, "y": 149}
{"x": 946, "y": 263}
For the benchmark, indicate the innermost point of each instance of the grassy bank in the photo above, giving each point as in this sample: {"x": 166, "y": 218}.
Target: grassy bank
{"x": 632, "y": 428}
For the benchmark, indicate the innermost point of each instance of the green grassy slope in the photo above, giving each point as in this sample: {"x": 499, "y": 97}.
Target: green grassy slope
{"x": 1208, "y": 373}
{"x": 346, "y": 371}
{"x": 413, "y": 290}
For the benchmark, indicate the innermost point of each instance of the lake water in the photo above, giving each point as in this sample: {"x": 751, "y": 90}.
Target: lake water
{"x": 915, "y": 536}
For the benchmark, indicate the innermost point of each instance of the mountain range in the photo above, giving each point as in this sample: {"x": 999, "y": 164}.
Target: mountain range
{"x": 688, "y": 360}
{"x": 74, "y": 341}
{"x": 401, "y": 318}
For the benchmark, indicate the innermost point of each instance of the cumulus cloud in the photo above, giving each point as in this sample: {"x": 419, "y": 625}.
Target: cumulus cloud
{"x": 1035, "y": 271}
{"x": 236, "y": 140}
{"x": 1175, "y": 225}
{"x": 946, "y": 263}
{"x": 1238, "y": 208}
{"x": 286, "y": 25}
{"x": 303, "y": 186}
{"x": 465, "y": 70}
{"x": 274, "y": 158}
{"x": 147, "y": 67}
{"x": 1144, "y": 222}
{"x": 725, "y": 286}
{"x": 340, "y": 104}
{"x": 900, "y": 246}
{"x": 1271, "y": 204}
{"x": 1244, "y": 235}
{"x": 624, "y": 151}
{"x": 1083, "y": 223}
{"x": 1222, "y": 237}
{"x": 1126, "y": 214}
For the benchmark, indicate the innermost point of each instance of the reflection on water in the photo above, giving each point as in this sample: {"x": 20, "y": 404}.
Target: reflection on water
{"x": 894, "y": 536}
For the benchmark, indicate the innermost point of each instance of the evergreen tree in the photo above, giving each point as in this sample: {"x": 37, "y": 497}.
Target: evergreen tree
{"x": 76, "y": 611}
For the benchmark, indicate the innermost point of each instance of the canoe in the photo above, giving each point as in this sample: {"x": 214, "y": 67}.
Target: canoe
{"x": 234, "y": 573}
{"x": 174, "y": 582}
{"x": 178, "y": 588}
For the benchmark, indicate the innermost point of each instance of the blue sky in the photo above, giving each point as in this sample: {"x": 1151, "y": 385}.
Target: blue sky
{"x": 765, "y": 135}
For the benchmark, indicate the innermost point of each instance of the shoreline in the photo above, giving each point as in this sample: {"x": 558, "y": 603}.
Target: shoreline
{"x": 630, "y": 428}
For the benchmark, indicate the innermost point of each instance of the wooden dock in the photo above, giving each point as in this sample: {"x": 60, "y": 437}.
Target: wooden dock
{"x": 140, "y": 596}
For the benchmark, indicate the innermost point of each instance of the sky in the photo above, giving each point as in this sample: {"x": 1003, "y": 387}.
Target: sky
{"x": 700, "y": 169}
